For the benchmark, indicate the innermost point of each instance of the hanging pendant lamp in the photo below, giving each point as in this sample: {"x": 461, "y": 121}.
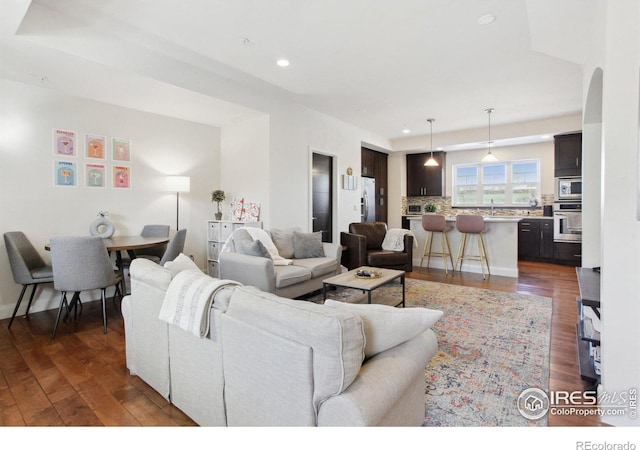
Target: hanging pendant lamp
{"x": 431, "y": 162}
{"x": 489, "y": 157}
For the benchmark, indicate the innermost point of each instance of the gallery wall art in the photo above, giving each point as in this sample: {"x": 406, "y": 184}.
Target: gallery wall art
{"x": 87, "y": 163}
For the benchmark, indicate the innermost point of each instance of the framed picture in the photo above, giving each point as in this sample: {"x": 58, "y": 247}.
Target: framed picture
{"x": 95, "y": 146}
{"x": 95, "y": 175}
{"x": 121, "y": 177}
{"x": 64, "y": 143}
{"x": 65, "y": 173}
{"x": 121, "y": 149}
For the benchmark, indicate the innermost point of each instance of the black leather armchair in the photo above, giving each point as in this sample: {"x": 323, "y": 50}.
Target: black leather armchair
{"x": 363, "y": 245}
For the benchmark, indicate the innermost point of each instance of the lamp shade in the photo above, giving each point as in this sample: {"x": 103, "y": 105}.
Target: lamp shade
{"x": 178, "y": 184}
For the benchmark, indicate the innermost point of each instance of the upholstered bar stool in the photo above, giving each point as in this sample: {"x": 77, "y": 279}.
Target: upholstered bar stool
{"x": 436, "y": 223}
{"x": 472, "y": 225}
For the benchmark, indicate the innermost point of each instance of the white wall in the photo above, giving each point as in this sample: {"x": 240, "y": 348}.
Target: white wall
{"x": 295, "y": 132}
{"x": 160, "y": 146}
{"x": 268, "y": 160}
{"x": 244, "y": 164}
{"x": 615, "y": 48}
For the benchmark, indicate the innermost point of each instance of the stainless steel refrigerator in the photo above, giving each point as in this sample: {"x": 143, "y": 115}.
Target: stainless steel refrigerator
{"x": 368, "y": 200}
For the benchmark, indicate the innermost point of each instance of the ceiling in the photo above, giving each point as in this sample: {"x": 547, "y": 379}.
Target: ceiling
{"x": 382, "y": 65}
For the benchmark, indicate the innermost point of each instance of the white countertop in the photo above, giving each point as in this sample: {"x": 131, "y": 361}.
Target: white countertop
{"x": 489, "y": 219}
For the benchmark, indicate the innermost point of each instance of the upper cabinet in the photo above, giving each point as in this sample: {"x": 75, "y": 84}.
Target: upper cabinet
{"x": 425, "y": 180}
{"x": 568, "y": 155}
{"x": 368, "y": 162}
{"x": 375, "y": 165}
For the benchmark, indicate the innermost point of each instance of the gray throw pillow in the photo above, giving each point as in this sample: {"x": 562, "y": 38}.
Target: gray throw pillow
{"x": 283, "y": 240}
{"x": 307, "y": 245}
{"x": 255, "y": 248}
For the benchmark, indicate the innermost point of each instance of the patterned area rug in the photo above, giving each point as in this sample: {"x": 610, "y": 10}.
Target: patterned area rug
{"x": 491, "y": 346}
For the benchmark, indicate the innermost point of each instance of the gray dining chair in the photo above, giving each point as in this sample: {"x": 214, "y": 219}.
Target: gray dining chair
{"x": 158, "y": 250}
{"x": 175, "y": 247}
{"x": 81, "y": 264}
{"x": 27, "y": 266}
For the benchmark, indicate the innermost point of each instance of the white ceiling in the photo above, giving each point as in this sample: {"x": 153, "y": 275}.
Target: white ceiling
{"x": 382, "y": 65}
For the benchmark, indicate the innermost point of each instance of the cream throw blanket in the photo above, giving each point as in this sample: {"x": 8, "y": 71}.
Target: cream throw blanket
{"x": 263, "y": 236}
{"x": 189, "y": 298}
{"x": 394, "y": 239}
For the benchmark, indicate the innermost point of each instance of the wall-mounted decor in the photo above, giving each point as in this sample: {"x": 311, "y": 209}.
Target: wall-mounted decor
{"x": 65, "y": 173}
{"x": 121, "y": 149}
{"x": 95, "y": 175}
{"x": 121, "y": 177}
{"x": 349, "y": 182}
{"x": 64, "y": 143}
{"x": 95, "y": 146}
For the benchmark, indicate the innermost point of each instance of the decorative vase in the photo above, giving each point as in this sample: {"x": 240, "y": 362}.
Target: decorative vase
{"x": 218, "y": 216}
{"x": 102, "y": 227}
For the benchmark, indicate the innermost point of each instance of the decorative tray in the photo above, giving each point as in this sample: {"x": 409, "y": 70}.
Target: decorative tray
{"x": 367, "y": 274}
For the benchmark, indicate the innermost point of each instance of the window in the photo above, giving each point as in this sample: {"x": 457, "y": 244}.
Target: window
{"x": 511, "y": 183}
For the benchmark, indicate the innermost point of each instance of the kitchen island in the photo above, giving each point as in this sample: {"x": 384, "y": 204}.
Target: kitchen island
{"x": 501, "y": 243}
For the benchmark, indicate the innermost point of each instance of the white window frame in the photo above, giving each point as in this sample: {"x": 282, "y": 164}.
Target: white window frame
{"x": 480, "y": 183}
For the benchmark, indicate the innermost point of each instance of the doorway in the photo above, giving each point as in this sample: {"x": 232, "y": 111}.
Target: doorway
{"x": 322, "y": 195}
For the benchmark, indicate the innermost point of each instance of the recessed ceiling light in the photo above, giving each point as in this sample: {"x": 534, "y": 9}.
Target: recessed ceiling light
{"x": 282, "y": 62}
{"x": 406, "y": 130}
{"x": 486, "y": 19}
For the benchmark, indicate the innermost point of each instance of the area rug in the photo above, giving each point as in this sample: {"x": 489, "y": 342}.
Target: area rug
{"x": 491, "y": 346}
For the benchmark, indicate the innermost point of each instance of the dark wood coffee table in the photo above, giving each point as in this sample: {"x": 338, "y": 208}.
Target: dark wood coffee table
{"x": 366, "y": 285}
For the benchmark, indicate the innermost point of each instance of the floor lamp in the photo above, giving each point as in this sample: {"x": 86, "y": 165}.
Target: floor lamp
{"x": 178, "y": 184}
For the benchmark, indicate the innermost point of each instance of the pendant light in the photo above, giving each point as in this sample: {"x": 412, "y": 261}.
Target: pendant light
{"x": 489, "y": 157}
{"x": 431, "y": 162}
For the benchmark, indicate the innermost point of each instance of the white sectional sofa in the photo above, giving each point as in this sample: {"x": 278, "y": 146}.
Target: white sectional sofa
{"x": 272, "y": 361}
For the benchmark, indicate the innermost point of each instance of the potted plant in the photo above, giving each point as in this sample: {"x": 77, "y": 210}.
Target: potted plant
{"x": 218, "y": 197}
{"x": 430, "y": 207}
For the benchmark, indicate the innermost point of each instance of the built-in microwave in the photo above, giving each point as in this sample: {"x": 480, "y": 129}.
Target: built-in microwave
{"x": 568, "y": 188}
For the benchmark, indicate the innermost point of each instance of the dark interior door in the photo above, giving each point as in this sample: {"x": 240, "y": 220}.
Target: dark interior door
{"x": 322, "y": 195}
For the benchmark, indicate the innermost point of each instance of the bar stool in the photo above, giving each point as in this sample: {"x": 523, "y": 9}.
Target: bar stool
{"x": 436, "y": 223}
{"x": 466, "y": 225}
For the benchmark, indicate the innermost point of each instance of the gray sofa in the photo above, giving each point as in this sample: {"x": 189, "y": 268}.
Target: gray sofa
{"x": 271, "y": 361}
{"x": 302, "y": 276}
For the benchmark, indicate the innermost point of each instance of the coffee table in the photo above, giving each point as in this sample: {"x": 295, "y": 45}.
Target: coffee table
{"x": 366, "y": 285}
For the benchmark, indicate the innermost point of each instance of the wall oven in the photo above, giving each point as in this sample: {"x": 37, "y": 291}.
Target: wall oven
{"x": 567, "y": 222}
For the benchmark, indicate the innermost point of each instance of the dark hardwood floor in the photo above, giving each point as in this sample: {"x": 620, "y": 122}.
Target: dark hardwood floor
{"x": 80, "y": 377}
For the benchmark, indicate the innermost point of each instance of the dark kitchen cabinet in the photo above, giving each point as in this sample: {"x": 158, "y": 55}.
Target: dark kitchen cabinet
{"x": 568, "y": 253}
{"x": 568, "y": 155}
{"x": 368, "y": 163}
{"x": 546, "y": 238}
{"x": 375, "y": 165}
{"x": 425, "y": 180}
{"x": 535, "y": 239}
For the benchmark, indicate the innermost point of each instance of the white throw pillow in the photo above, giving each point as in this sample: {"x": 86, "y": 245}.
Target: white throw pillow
{"x": 387, "y": 326}
{"x": 182, "y": 262}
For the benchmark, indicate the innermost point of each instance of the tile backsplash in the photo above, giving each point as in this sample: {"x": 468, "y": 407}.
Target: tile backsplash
{"x": 444, "y": 207}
